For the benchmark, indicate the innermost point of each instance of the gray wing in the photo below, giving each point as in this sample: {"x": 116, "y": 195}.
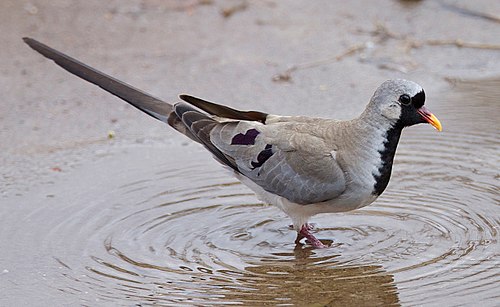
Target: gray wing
{"x": 284, "y": 157}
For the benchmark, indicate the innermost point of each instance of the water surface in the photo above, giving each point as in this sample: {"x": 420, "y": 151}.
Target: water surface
{"x": 159, "y": 223}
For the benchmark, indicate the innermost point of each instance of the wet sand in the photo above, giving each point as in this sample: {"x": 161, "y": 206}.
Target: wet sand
{"x": 148, "y": 218}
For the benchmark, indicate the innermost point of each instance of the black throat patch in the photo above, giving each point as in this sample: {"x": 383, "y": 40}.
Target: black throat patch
{"x": 387, "y": 157}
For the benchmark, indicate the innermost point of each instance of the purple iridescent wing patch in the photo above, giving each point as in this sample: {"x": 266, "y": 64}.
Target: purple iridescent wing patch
{"x": 245, "y": 139}
{"x": 263, "y": 156}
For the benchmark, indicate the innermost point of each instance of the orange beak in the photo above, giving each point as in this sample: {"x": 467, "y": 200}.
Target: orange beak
{"x": 430, "y": 118}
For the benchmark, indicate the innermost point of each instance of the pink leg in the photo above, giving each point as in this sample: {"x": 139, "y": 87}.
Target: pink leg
{"x": 309, "y": 226}
{"x": 305, "y": 233}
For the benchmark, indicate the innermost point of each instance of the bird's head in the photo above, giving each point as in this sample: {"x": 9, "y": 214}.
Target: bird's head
{"x": 402, "y": 103}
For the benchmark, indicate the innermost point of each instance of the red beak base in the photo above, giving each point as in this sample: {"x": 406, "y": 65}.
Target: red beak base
{"x": 430, "y": 118}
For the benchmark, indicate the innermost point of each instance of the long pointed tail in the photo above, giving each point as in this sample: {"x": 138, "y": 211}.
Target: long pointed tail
{"x": 153, "y": 106}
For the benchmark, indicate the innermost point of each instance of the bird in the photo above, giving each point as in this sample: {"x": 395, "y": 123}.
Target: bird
{"x": 303, "y": 165}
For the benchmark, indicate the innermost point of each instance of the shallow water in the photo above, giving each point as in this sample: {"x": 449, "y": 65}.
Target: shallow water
{"x": 170, "y": 227}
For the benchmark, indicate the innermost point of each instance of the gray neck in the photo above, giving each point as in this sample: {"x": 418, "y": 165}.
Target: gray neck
{"x": 385, "y": 137}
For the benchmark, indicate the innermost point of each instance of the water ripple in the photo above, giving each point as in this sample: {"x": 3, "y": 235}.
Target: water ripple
{"x": 209, "y": 242}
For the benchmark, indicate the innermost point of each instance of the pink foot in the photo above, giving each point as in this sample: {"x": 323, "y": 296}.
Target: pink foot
{"x": 311, "y": 239}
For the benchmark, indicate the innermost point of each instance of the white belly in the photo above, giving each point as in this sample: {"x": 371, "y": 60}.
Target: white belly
{"x": 300, "y": 214}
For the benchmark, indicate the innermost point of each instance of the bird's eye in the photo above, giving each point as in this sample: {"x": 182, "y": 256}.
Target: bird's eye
{"x": 405, "y": 99}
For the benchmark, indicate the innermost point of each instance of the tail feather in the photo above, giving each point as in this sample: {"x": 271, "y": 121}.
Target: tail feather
{"x": 153, "y": 106}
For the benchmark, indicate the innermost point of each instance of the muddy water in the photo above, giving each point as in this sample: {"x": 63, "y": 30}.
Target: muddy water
{"x": 161, "y": 223}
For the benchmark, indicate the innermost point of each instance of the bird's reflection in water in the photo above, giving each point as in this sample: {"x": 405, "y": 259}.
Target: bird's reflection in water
{"x": 307, "y": 280}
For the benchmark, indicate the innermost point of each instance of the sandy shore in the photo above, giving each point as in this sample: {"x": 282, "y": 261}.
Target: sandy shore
{"x": 321, "y": 58}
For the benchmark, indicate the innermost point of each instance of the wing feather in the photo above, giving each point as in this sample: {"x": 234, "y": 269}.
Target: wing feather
{"x": 223, "y": 111}
{"x": 283, "y": 158}
{"x": 200, "y": 125}
{"x": 299, "y": 168}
